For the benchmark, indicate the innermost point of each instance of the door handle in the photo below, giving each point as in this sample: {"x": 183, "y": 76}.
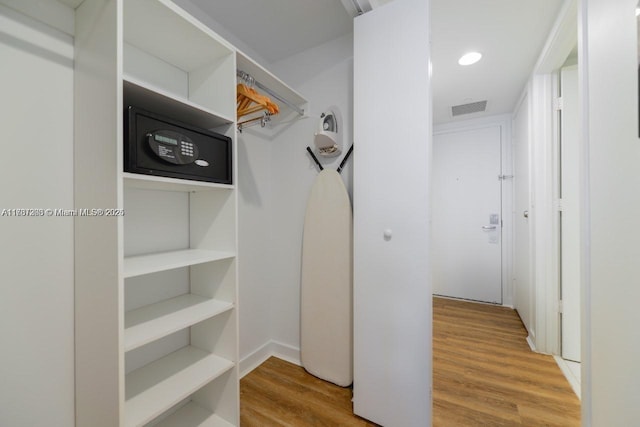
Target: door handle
{"x": 525, "y": 214}
{"x": 488, "y": 227}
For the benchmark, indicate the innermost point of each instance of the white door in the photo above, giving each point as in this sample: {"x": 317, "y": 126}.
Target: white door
{"x": 392, "y": 314}
{"x": 523, "y": 298}
{"x": 467, "y": 219}
{"x": 570, "y": 214}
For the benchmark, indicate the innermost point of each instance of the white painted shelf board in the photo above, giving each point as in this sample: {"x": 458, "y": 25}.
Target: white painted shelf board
{"x": 155, "y": 321}
{"x": 158, "y": 386}
{"x": 161, "y": 183}
{"x": 157, "y": 100}
{"x": 153, "y": 263}
{"x": 161, "y": 28}
{"x": 248, "y": 65}
{"x": 193, "y": 415}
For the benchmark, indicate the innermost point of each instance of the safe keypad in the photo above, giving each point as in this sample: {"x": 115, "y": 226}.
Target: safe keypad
{"x": 187, "y": 148}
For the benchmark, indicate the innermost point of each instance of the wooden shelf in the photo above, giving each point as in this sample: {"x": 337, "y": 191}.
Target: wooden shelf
{"x": 155, "y": 321}
{"x": 160, "y": 183}
{"x": 193, "y": 415}
{"x": 156, "y": 387}
{"x": 153, "y": 263}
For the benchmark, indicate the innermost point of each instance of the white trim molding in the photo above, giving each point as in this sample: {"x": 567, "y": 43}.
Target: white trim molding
{"x": 545, "y": 225}
{"x": 545, "y": 266}
{"x": 271, "y": 348}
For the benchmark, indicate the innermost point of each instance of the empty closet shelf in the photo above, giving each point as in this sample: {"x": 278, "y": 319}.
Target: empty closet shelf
{"x": 155, "y": 321}
{"x": 156, "y": 387}
{"x": 163, "y": 183}
{"x": 152, "y": 263}
{"x": 193, "y": 415}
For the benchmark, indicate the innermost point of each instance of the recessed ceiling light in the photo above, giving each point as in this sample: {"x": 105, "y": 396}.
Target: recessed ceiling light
{"x": 470, "y": 58}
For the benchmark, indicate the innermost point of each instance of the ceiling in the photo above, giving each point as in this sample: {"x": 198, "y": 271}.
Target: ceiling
{"x": 280, "y": 28}
{"x": 72, "y": 3}
{"x": 509, "y": 34}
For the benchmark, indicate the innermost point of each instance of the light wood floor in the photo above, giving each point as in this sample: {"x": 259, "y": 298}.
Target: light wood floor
{"x": 484, "y": 375}
{"x": 279, "y": 393}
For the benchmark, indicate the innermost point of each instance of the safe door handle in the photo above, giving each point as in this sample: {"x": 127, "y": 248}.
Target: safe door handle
{"x": 488, "y": 227}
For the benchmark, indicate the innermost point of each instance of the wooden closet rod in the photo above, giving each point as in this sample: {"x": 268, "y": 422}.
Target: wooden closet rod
{"x": 251, "y": 81}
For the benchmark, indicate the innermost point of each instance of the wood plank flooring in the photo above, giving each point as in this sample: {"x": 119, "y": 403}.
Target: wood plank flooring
{"x": 484, "y": 375}
{"x": 279, "y": 393}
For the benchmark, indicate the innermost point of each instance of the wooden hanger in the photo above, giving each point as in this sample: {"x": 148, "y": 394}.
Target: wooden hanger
{"x": 246, "y": 96}
{"x": 249, "y": 101}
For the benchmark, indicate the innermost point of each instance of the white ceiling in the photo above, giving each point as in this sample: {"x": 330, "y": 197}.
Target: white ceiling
{"x": 72, "y": 3}
{"x": 509, "y": 34}
{"x": 280, "y": 28}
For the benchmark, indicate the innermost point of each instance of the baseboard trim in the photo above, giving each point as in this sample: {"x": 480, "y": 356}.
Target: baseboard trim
{"x": 532, "y": 346}
{"x": 569, "y": 375}
{"x": 286, "y": 352}
{"x": 272, "y": 348}
{"x": 255, "y": 359}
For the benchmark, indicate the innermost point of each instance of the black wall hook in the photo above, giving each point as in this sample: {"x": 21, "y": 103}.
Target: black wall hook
{"x": 342, "y": 163}
{"x": 315, "y": 159}
{"x": 346, "y": 157}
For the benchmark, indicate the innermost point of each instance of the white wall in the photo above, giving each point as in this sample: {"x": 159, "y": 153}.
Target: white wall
{"x": 36, "y": 258}
{"x": 324, "y": 76}
{"x": 275, "y": 177}
{"x": 254, "y": 241}
{"x": 611, "y": 344}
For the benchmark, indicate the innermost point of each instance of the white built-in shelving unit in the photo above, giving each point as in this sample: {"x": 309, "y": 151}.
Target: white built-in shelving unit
{"x": 156, "y": 288}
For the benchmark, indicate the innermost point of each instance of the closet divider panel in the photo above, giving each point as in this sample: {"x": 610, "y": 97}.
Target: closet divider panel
{"x": 99, "y": 361}
{"x": 204, "y": 90}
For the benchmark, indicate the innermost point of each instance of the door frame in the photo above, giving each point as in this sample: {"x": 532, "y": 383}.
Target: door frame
{"x": 562, "y": 198}
{"x": 545, "y": 232}
{"x": 568, "y": 30}
{"x": 529, "y": 321}
{"x": 504, "y": 122}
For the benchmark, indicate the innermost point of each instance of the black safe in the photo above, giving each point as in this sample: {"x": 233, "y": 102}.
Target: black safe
{"x": 160, "y": 146}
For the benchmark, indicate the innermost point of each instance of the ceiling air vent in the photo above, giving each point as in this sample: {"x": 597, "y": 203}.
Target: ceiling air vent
{"x": 474, "y": 107}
